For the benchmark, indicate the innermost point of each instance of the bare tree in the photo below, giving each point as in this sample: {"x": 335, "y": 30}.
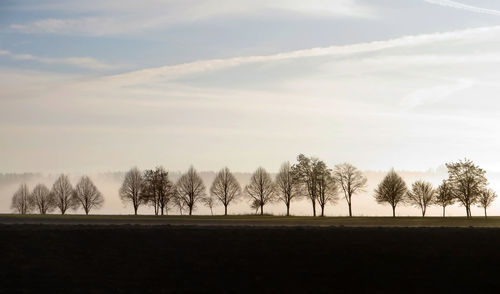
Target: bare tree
{"x": 209, "y": 201}
{"x": 327, "y": 188}
{"x": 287, "y": 187}
{"x": 130, "y": 190}
{"x": 158, "y": 190}
{"x": 87, "y": 195}
{"x": 421, "y": 195}
{"x": 42, "y": 199}
{"x": 21, "y": 201}
{"x": 149, "y": 190}
{"x": 306, "y": 172}
{"x": 261, "y": 188}
{"x": 444, "y": 196}
{"x": 486, "y": 198}
{"x": 179, "y": 202}
{"x": 190, "y": 188}
{"x": 351, "y": 181}
{"x": 167, "y": 191}
{"x": 63, "y": 191}
{"x": 467, "y": 181}
{"x": 255, "y": 205}
{"x": 225, "y": 188}
{"x": 391, "y": 190}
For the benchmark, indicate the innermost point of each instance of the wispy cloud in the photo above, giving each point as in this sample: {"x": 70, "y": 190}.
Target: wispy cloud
{"x": 81, "y": 62}
{"x": 172, "y": 72}
{"x": 458, "y": 5}
{"x": 432, "y": 93}
{"x": 138, "y": 16}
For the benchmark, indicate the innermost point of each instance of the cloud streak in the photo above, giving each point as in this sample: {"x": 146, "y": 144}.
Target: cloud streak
{"x": 81, "y": 62}
{"x": 403, "y": 96}
{"x": 457, "y": 5}
{"x": 171, "y": 72}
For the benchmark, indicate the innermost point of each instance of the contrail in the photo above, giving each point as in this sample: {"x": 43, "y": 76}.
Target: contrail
{"x": 457, "y": 5}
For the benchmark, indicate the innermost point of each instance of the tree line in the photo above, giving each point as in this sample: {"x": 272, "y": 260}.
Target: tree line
{"x": 61, "y": 197}
{"x": 308, "y": 178}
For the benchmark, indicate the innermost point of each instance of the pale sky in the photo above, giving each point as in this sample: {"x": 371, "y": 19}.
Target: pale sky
{"x": 88, "y": 86}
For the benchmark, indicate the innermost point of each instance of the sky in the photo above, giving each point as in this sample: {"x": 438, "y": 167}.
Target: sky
{"x": 90, "y": 86}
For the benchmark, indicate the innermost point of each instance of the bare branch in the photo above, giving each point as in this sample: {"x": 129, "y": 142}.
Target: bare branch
{"x": 87, "y": 195}
{"x": 391, "y": 190}
{"x": 261, "y": 188}
{"x": 351, "y": 181}
{"x": 191, "y": 189}
{"x": 63, "y": 191}
{"x": 130, "y": 190}
{"x": 225, "y": 188}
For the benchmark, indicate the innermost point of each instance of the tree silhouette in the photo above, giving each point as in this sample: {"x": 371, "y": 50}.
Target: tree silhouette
{"x": 63, "y": 192}
{"x": 467, "y": 181}
{"x": 350, "y": 180}
{"x": 421, "y": 195}
{"x": 260, "y": 189}
{"x": 255, "y": 205}
{"x": 225, "y": 188}
{"x": 326, "y": 187}
{"x": 190, "y": 188}
{"x": 444, "y": 196}
{"x": 209, "y": 201}
{"x": 149, "y": 190}
{"x": 287, "y": 187}
{"x": 21, "y": 201}
{"x": 179, "y": 203}
{"x": 486, "y": 198}
{"x": 42, "y": 199}
{"x": 158, "y": 190}
{"x": 130, "y": 191}
{"x": 391, "y": 190}
{"x": 306, "y": 171}
{"x": 87, "y": 195}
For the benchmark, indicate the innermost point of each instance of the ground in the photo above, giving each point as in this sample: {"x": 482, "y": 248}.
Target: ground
{"x": 252, "y": 220}
{"x": 247, "y": 254}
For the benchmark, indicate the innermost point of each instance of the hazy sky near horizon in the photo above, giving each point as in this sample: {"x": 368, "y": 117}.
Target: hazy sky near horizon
{"x": 106, "y": 85}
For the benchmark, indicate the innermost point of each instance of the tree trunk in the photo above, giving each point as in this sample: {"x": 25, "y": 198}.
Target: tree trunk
{"x": 314, "y": 207}
{"x": 190, "y": 210}
{"x": 485, "y": 215}
{"x": 262, "y": 210}
{"x": 394, "y": 211}
{"x": 288, "y": 209}
{"x": 135, "y": 210}
{"x": 350, "y": 211}
{"x": 225, "y": 209}
{"x": 444, "y": 211}
{"x": 322, "y": 210}
{"x": 86, "y": 212}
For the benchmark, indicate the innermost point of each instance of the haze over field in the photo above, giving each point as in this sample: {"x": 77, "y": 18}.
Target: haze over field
{"x": 93, "y": 86}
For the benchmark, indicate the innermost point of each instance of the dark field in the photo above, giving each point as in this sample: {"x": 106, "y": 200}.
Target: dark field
{"x": 250, "y": 220}
{"x": 170, "y": 258}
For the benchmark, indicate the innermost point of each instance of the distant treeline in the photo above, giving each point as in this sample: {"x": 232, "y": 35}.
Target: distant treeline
{"x": 308, "y": 178}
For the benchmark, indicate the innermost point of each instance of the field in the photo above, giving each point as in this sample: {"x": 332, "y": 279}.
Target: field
{"x": 102, "y": 254}
{"x": 251, "y": 220}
